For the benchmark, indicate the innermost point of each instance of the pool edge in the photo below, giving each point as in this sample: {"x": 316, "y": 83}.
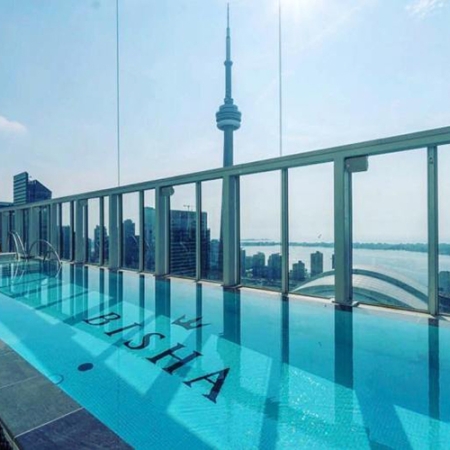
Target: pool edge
{"x": 56, "y": 429}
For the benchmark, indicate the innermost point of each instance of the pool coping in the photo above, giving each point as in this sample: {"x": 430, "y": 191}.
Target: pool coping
{"x": 36, "y": 413}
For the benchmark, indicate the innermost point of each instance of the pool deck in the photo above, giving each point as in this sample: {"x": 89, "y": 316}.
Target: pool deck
{"x": 35, "y": 413}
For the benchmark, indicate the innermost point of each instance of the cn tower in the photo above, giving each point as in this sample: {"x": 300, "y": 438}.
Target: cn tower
{"x": 228, "y": 117}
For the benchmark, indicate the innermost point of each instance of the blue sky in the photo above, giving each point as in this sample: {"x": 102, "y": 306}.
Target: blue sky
{"x": 353, "y": 70}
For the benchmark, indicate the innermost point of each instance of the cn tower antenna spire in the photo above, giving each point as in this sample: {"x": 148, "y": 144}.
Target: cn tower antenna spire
{"x": 228, "y": 62}
{"x": 228, "y": 117}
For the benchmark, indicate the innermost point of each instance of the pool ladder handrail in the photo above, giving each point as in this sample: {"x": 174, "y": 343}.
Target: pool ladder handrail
{"x": 51, "y": 248}
{"x": 18, "y": 272}
{"x": 18, "y": 244}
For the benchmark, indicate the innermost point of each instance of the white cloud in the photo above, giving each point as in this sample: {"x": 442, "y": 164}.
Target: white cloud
{"x": 422, "y": 8}
{"x": 10, "y": 126}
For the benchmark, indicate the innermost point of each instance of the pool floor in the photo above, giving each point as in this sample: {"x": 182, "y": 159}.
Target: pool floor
{"x": 173, "y": 364}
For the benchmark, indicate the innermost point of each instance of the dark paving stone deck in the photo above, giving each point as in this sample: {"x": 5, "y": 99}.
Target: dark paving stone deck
{"x": 79, "y": 430}
{"x": 32, "y": 403}
{"x": 4, "y": 348}
{"x": 36, "y": 414}
{"x": 13, "y": 369}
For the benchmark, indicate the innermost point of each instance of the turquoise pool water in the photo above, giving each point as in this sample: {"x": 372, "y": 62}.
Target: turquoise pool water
{"x": 252, "y": 370}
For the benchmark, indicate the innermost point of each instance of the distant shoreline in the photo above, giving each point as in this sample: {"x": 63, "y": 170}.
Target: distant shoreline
{"x": 444, "y": 249}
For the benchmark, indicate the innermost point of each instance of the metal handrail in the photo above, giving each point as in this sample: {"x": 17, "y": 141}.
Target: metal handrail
{"x": 18, "y": 272}
{"x": 49, "y": 246}
{"x": 394, "y": 144}
{"x": 18, "y": 244}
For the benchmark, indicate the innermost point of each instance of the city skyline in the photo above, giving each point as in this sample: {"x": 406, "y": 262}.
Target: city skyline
{"x": 310, "y": 267}
{"x": 346, "y": 79}
{"x": 261, "y": 268}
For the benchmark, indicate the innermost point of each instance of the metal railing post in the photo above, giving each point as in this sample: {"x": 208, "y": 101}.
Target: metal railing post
{"x": 33, "y": 230}
{"x": 120, "y": 252}
{"x": 342, "y": 232}
{"x": 162, "y": 230}
{"x": 79, "y": 232}
{"x": 101, "y": 232}
{"x": 230, "y": 232}
{"x": 60, "y": 228}
{"x": 19, "y": 223}
{"x": 113, "y": 232}
{"x": 141, "y": 232}
{"x": 53, "y": 226}
{"x": 284, "y": 231}
{"x": 198, "y": 231}
{"x": 72, "y": 230}
{"x": 433, "y": 231}
{"x": 87, "y": 249}
{"x": 47, "y": 219}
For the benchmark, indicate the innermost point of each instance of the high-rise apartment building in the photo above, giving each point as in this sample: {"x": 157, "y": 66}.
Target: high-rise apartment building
{"x": 316, "y": 263}
{"x": 274, "y": 267}
{"x": 298, "y": 272}
{"x": 29, "y": 191}
{"x": 259, "y": 265}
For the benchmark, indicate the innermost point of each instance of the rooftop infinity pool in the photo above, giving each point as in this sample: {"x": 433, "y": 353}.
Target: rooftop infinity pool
{"x": 176, "y": 364}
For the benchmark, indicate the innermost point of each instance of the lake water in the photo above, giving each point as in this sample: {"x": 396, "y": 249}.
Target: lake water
{"x": 413, "y": 265}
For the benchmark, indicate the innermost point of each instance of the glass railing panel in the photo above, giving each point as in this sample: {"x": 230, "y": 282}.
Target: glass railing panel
{"x": 93, "y": 232}
{"x": 261, "y": 230}
{"x": 390, "y": 263}
{"x": 211, "y": 242}
{"x": 311, "y": 230}
{"x": 149, "y": 230}
{"x": 130, "y": 230}
{"x": 66, "y": 232}
{"x": 183, "y": 225}
{"x": 444, "y": 228}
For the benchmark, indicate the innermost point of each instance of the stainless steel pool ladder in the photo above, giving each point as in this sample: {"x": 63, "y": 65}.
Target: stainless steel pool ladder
{"x": 50, "y": 249}
{"x": 18, "y": 244}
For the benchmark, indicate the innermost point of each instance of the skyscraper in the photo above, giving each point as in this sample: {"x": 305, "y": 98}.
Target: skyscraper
{"x": 298, "y": 272}
{"x": 26, "y": 191}
{"x": 183, "y": 226}
{"x": 228, "y": 117}
{"x": 316, "y": 263}
{"x": 130, "y": 245}
{"x": 274, "y": 266}
{"x": 259, "y": 265}
{"x": 444, "y": 283}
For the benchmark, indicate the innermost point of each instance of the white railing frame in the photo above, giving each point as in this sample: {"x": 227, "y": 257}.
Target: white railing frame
{"x": 429, "y": 140}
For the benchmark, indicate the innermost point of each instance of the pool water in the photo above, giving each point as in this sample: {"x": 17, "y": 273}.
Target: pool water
{"x": 174, "y": 364}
